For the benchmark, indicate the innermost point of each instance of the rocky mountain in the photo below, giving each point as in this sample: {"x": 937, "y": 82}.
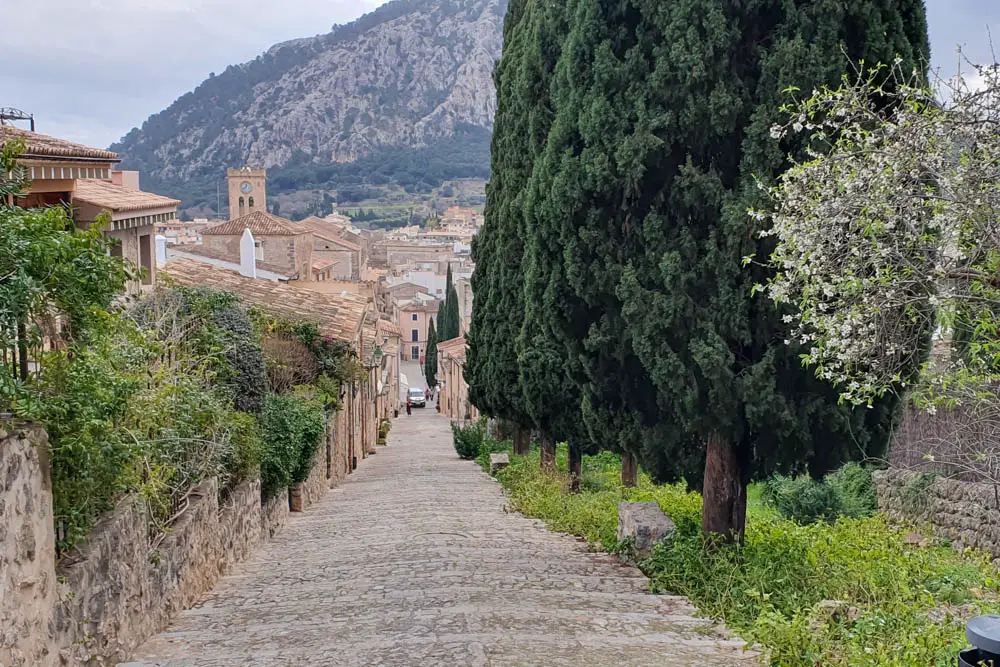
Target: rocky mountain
{"x": 401, "y": 90}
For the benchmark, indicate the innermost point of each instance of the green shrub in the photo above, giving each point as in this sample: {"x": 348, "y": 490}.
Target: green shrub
{"x": 847, "y": 492}
{"x": 802, "y": 499}
{"x": 856, "y": 487}
{"x": 292, "y": 428}
{"x": 468, "y": 438}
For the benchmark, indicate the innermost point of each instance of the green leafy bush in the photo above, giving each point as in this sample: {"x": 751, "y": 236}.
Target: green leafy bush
{"x": 802, "y": 499}
{"x": 468, "y": 438}
{"x": 292, "y": 428}
{"x": 856, "y": 487}
{"x": 849, "y": 491}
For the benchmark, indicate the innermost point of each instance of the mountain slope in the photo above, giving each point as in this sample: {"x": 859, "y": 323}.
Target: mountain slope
{"x": 410, "y": 75}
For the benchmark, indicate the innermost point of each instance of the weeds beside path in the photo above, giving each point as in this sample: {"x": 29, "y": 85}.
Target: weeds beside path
{"x": 853, "y": 592}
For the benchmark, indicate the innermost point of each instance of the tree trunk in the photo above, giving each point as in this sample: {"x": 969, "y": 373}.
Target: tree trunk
{"x": 630, "y": 470}
{"x": 575, "y": 469}
{"x": 724, "y": 511}
{"x": 548, "y": 460}
{"x": 505, "y": 430}
{"x": 522, "y": 441}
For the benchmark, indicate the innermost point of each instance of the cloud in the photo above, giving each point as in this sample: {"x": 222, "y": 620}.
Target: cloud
{"x": 90, "y": 70}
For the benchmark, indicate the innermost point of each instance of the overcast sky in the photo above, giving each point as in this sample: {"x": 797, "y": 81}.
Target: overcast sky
{"x": 90, "y": 70}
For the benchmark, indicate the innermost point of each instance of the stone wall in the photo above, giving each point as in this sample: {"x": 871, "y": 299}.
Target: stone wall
{"x": 28, "y": 587}
{"x": 119, "y": 588}
{"x": 965, "y": 513}
{"x": 307, "y": 493}
{"x": 274, "y": 515}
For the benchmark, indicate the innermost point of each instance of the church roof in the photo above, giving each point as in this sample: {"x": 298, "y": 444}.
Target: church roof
{"x": 259, "y": 223}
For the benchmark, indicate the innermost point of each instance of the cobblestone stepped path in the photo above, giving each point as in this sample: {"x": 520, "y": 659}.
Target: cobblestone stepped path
{"x": 414, "y": 562}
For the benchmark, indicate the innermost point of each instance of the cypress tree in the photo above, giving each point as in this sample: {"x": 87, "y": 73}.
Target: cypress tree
{"x": 551, "y": 398}
{"x": 492, "y": 368}
{"x": 431, "y": 358}
{"x": 663, "y": 113}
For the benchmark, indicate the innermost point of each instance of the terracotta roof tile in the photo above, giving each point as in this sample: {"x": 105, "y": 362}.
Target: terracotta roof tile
{"x": 339, "y": 317}
{"x": 259, "y": 223}
{"x": 104, "y": 194}
{"x": 41, "y": 145}
{"x": 387, "y": 328}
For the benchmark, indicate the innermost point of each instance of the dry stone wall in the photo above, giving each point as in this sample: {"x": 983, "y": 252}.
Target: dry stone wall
{"x": 965, "y": 513}
{"x": 28, "y": 587}
{"x": 118, "y": 589}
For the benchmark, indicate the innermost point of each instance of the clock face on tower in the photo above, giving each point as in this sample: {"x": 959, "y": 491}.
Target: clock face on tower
{"x": 246, "y": 188}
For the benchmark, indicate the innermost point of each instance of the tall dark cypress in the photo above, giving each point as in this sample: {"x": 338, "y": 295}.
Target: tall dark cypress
{"x": 492, "y": 368}
{"x": 663, "y": 111}
{"x": 431, "y": 358}
{"x": 551, "y": 398}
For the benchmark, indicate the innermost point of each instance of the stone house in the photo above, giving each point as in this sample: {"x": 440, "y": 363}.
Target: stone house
{"x": 402, "y": 292}
{"x": 454, "y": 394}
{"x": 331, "y": 243}
{"x": 66, "y": 173}
{"x": 279, "y": 244}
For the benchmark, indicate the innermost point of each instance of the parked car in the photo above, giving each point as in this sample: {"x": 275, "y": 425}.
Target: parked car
{"x": 417, "y": 398}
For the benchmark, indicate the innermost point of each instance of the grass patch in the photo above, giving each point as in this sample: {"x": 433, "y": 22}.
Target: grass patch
{"x": 849, "y": 592}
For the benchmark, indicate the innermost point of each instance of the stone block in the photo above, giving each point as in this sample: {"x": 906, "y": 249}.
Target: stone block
{"x": 645, "y": 523}
{"x": 498, "y": 462}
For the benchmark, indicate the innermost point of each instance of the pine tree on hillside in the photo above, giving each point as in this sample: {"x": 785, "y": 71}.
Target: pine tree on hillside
{"x": 663, "y": 113}
{"x": 492, "y": 368}
{"x": 431, "y": 358}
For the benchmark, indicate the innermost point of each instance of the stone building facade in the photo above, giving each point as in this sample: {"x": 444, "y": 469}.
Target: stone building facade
{"x": 454, "y": 396}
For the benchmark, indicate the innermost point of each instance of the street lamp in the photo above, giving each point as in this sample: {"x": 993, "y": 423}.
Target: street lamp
{"x": 377, "y": 355}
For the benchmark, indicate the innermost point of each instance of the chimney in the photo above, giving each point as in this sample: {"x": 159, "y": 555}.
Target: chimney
{"x": 248, "y": 255}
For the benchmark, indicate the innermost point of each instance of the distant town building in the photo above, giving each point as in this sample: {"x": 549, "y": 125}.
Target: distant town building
{"x": 415, "y": 316}
{"x": 336, "y": 243}
{"x": 454, "y": 397}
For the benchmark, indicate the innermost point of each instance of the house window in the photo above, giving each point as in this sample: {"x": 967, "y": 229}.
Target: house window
{"x": 242, "y": 207}
{"x": 415, "y": 353}
{"x": 414, "y": 317}
{"x": 251, "y": 204}
{"x": 258, "y": 250}
{"x": 415, "y": 335}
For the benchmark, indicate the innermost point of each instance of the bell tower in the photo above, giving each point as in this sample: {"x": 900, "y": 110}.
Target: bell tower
{"x": 247, "y": 191}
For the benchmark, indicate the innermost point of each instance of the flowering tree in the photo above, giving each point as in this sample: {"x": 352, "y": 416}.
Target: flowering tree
{"x": 889, "y": 230}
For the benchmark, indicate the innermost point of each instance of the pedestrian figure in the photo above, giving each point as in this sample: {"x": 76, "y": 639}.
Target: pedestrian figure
{"x": 408, "y": 411}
